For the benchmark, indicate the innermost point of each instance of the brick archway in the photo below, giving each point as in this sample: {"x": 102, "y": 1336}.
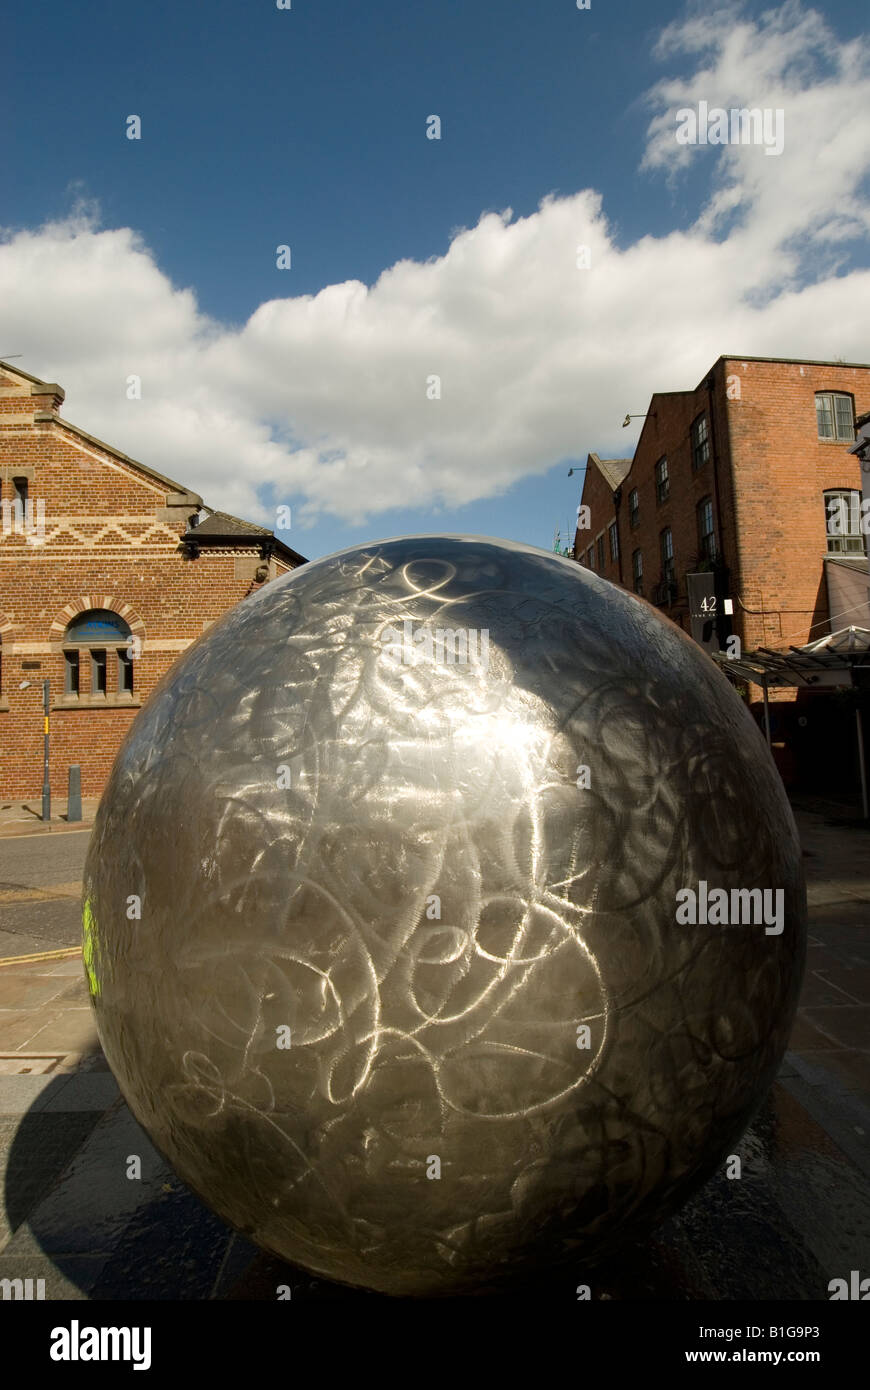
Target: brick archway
{"x": 81, "y": 605}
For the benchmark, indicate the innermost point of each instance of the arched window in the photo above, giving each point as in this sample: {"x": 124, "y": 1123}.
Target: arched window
{"x": 105, "y": 639}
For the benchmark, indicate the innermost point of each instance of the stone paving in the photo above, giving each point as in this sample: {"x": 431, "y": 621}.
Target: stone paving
{"x": 25, "y": 817}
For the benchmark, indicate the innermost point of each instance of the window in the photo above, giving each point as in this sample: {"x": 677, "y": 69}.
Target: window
{"x": 98, "y": 671}
{"x": 843, "y": 522}
{"x": 662, "y": 484}
{"x": 96, "y": 627}
{"x": 667, "y": 549}
{"x": 96, "y": 633}
{"x": 613, "y": 537}
{"x": 599, "y": 546}
{"x": 71, "y": 673}
{"x": 637, "y": 571}
{"x": 15, "y": 508}
{"x": 835, "y": 415}
{"x": 125, "y": 672}
{"x": 590, "y": 558}
{"x": 700, "y": 443}
{"x": 706, "y": 534}
{"x": 633, "y": 508}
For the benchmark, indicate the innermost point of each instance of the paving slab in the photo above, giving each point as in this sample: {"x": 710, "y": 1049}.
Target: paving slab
{"x": 73, "y": 1030}
{"x": 22, "y": 1095}
{"x": 17, "y": 1027}
{"x": 94, "y": 1200}
{"x": 52, "y": 1141}
{"x": 805, "y": 1037}
{"x": 24, "y": 818}
{"x": 65, "y": 969}
{"x": 850, "y": 1068}
{"x": 25, "y": 990}
{"x": 852, "y": 980}
{"x": 818, "y": 990}
{"x": 93, "y": 1091}
{"x": 848, "y": 1025}
{"x": 71, "y": 1284}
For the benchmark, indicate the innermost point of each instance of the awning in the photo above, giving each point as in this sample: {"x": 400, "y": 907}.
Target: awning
{"x": 839, "y": 659}
{"x": 842, "y": 658}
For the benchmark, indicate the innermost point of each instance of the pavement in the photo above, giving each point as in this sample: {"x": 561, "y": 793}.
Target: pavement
{"x": 25, "y": 817}
{"x": 799, "y": 1217}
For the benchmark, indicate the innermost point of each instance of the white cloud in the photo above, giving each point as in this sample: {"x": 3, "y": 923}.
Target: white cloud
{"x": 325, "y": 396}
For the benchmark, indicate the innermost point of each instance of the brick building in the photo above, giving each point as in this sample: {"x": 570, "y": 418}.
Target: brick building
{"x": 108, "y": 570}
{"x": 749, "y": 480}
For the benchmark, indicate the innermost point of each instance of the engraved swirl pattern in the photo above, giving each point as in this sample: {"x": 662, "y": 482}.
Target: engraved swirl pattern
{"x": 308, "y": 906}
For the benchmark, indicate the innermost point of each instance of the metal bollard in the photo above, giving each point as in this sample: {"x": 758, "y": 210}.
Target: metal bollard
{"x": 74, "y": 796}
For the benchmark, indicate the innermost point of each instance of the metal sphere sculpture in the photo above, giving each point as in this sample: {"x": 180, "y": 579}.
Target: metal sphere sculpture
{"x": 444, "y": 916}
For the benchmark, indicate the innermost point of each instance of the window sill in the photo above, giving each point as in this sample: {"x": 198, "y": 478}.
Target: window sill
{"x": 840, "y": 443}
{"x": 4, "y": 705}
{"x": 97, "y": 702}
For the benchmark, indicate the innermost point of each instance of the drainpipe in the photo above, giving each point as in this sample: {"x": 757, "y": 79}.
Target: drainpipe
{"x": 617, "y": 499}
{"x": 722, "y": 568}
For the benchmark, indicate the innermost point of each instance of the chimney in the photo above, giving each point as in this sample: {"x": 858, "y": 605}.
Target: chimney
{"x": 47, "y": 399}
{"x": 26, "y": 398}
{"x": 178, "y": 509}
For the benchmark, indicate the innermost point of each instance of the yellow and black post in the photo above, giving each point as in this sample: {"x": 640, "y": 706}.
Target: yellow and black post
{"x": 46, "y": 779}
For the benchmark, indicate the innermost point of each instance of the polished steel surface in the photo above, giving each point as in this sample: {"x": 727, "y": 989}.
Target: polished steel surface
{"x": 451, "y": 886}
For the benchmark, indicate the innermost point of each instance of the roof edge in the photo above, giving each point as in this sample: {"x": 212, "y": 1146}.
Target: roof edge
{"x": 170, "y": 483}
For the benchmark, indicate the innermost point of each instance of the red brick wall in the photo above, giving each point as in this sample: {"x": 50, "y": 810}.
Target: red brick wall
{"x": 106, "y": 545}
{"x": 780, "y": 471}
{"x": 598, "y": 497}
{"x": 772, "y": 472}
{"x": 665, "y": 432}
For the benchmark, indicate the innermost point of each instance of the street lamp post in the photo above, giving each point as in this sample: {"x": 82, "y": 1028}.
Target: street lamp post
{"x": 46, "y": 779}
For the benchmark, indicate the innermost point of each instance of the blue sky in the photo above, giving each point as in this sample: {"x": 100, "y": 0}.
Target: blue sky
{"x": 306, "y": 127}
